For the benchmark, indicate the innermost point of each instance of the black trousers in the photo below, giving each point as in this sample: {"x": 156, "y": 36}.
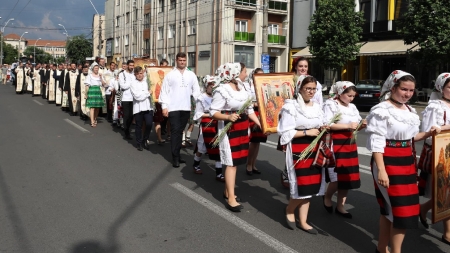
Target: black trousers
{"x": 108, "y": 111}
{"x": 139, "y": 118}
{"x": 178, "y": 121}
{"x": 127, "y": 108}
{"x": 43, "y": 87}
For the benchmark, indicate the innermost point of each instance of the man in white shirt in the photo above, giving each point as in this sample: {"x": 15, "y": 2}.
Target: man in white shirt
{"x": 142, "y": 108}
{"x": 175, "y": 99}
{"x": 111, "y": 73}
{"x": 125, "y": 80}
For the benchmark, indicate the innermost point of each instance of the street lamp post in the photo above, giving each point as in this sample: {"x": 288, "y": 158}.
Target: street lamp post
{"x": 67, "y": 34}
{"x": 18, "y": 51}
{"x": 3, "y": 33}
{"x": 34, "y": 53}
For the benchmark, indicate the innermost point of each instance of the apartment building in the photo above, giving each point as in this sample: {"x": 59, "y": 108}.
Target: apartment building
{"x": 56, "y": 48}
{"x": 214, "y": 32}
{"x": 382, "y": 51}
{"x": 98, "y": 35}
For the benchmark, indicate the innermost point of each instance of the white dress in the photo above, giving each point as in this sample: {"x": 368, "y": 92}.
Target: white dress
{"x": 292, "y": 118}
{"x": 433, "y": 115}
{"x": 202, "y": 106}
{"x": 349, "y": 114}
{"x": 227, "y": 99}
{"x": 386, "y": 122}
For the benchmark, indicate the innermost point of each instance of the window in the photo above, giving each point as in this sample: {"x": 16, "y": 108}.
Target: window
{"x": 136, "y": 13}
{"x": 192, "y": 26}
{"x": 160, "y": 32}
{"x": 245, "y": 55}
{"x": 171, "y": 31}
{"x": 171, "y": 59}
{"x": 382, "y": 10}
{"x": 193, "y": 1}
{"x": 147, "y": 21}
{"x": 273, "y": 29}
{"x": 117, "y": 21}
{"x": 117, "y": 41}
{"x": 173, "y": 4}
{"x": 126, "y": 40}
{"x": 161, "y": 6}
{"x": 241, "y": 26}
{"x": 191, "y": 59}
{"x": 127, "y": 18}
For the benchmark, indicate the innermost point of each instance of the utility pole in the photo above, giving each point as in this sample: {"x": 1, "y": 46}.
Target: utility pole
{"x": 265, "y": 59}
{"x": 3, "y": 34}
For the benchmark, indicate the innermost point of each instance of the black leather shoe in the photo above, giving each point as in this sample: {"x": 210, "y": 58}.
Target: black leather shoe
{"x": 290, "y": 224}
{"x": 312, "y": 231}
{"x": 256, "y": 172}
{"x": 237, "y": 198}
{"x": 423, "y": 221}
{"x": 235, "y": 209}
{"x": 176, "y": 164}
{"x": 345, "y": 215}
{"x": 181, "y": 161}
{"x": 444, "y": 240}
{"x": 146, "y": 146}
{"x": 328, "y": 208}
{"x": 139, "y": 147}
{"x": 249, "y": 172}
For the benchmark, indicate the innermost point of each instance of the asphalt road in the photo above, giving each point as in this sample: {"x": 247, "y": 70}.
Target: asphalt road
{"x": 67, "y": 187}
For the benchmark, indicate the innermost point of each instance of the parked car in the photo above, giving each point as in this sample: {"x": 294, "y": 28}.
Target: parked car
{"x": 368, "y": 94}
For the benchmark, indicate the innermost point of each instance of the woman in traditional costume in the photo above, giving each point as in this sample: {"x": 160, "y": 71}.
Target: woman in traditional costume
{"x": 436, "y": 114}
{"x": 393, "y": 127}
{"x": 94, "y": 95}
{"x": 345, "y": 175}
{"x": 300, "y": 123}
{"x": 228, "y": 99}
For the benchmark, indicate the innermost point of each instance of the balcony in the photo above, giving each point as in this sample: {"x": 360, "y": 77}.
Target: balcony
{"x": 244, "y": 36}
{"x": 278, "y": 6}
{"x": 276, "y": 39}
{"x": 245, "y": 2}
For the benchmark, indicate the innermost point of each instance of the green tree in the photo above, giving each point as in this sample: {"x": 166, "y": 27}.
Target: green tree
{"x": 335, "y": 30}
{"x": 41, "y": 55}
{"x": 427, "y": 22}
{"x": 78, "y": 48}
{"x": 10, "y": 53}
{"x": 59, "y": 60}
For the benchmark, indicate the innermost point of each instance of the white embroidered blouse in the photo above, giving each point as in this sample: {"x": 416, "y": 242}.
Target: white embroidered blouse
{"x": 433, "y": 115}
{"x": 349, "y": 113}
{"x": 292, "y": 118}
{"x": 227, "y": 99}
{"x": 202, "y": 105}
{"x": 386, "y": 122}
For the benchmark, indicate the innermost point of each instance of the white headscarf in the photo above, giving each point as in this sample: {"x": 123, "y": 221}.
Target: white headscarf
{"x": 300, "y": 100}
{"x": 390, "y": 82}
{"x": 228, "y": 72}
{"x": 339, "y": 87}
{"x": 439, "y": 86}
{"x": 211, "y": 79}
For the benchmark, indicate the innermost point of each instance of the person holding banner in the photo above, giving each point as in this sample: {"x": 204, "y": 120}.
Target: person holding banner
{"x": 436, "y": 114}
{"x": 300, "y": 123}
{"x": 231, "y": 104}
{"x": 393, "y": 126}
{"x": 345, "y": 176}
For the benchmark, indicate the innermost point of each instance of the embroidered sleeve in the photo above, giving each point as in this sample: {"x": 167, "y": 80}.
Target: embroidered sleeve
{"x": 218, "y": 102}
{"x": 377, "y": 129}
{"x": 286, "y": 125}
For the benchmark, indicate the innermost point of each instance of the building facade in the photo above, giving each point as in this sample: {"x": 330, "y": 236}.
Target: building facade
{"x": 98, "y": 35}
{"x": 56, "y": 48}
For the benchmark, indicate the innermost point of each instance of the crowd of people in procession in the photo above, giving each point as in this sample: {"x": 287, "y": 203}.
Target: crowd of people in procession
{"x": 229, "y": 96}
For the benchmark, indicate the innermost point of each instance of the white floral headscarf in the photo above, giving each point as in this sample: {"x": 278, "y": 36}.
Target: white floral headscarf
{"x": 390, "y": 82}
{"x": 300, "y": 100}
{"x": 211, "y": 79}
{"x": 228, "y": 72}
{"x": 339, "y": 87}
{"x": 439, "y": 86}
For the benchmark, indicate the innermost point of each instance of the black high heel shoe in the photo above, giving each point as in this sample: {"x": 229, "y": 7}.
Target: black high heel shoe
{"x": 235, "y": 209}
{"x": 328, "y": 208}
{"x": 423, "y": 221}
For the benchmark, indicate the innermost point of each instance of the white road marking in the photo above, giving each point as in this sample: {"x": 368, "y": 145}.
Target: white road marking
{"x": 76, "y": 126}
{"x": 238, "y": 222}
{"x": 37, "y": 102}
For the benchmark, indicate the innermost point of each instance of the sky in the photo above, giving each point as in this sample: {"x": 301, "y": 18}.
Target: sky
{"x": 40, "y": 18}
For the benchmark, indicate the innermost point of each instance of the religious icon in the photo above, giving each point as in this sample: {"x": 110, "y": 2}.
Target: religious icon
{"x": 441, "y": 176}
{"x": 271, "y": 92}
{"x": 156, "y": 77}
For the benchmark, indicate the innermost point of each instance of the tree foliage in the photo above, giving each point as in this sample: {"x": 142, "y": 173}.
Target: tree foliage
{"x": 78, "y": 48}
{"x": 427, "y": 22}
{"x": 335, "y": 30}
{"x": 10, "y": 53}
{"x": 41, "y": 55}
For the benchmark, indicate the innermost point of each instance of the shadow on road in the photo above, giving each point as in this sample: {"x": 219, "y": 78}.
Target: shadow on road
{"x": 16, "y": 223}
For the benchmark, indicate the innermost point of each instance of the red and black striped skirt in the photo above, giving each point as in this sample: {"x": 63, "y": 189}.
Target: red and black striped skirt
{"x": 238, "y": 138}
{"x": 403, "y": 191}
{"x": 347, "y": 163}
{"x": 256, "y": 134}
{"x": 309, "y": 178}
{"x": 209, "y": 132}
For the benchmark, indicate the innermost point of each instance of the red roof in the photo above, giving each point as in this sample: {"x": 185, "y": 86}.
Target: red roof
{"x": 43, "y": 43}
{"x": 12, "y": 36}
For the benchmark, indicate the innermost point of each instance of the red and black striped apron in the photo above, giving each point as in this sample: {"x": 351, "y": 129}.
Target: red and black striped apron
{"x": 238, "y": 138}
{"x": 256, "y": 134}
{"x": 403, "y": 191}
{"x": 209, "y": 132}
{"x": 347, "y": 163}
{"x": 309, "y": 178}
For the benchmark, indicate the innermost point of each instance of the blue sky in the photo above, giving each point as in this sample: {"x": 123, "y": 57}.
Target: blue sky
{"x": 40, "y": 18}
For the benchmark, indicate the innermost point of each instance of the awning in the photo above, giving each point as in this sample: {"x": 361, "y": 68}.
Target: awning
{"x": 371, "y": 48}
{"x": 387, "y": 47}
